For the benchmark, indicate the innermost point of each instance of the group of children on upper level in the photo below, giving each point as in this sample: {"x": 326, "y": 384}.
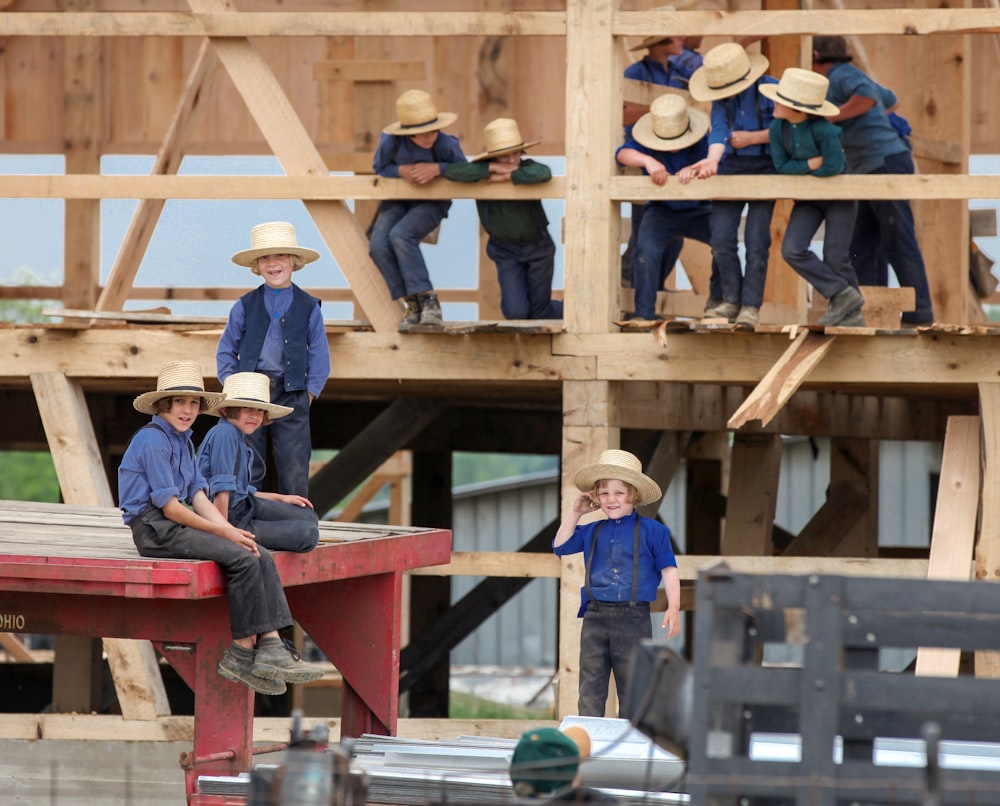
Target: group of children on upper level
{"x": 819, "y": 122}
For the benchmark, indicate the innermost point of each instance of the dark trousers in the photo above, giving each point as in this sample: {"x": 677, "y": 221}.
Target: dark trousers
{"x": 291, "y": 441}
{"x": 276, "y": 525}
{"x": 609, "y": 636}
{"x": 884, "y": 231}
{"x": 524, "y": 272}
{"x": 256, "y": 597}
{"x": 834, "y": 272}
{"x": 395, "y": 244}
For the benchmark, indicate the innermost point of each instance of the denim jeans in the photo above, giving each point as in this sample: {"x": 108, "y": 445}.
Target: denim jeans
{"x": 524, "y": 271}
{"x": 834, "y": 272}
{"x": 739, "y": 286}
{"x": 885, "y": 231}
{"x": 257, "y": 601}
{"x": 395, "y": 244}
{"x": 660, "y": 226}
{"x": 609, "y": 636}
{"x": 670, "y": 255}
{"x": 291, "y": 440}
{"x": 276, "y": 525}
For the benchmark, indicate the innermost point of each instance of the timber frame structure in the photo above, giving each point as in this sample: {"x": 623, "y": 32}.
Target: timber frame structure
{"x": 716, "y": 399}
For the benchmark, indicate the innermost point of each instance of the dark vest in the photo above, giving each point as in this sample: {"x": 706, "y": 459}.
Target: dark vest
{"x": 294, "y": 332}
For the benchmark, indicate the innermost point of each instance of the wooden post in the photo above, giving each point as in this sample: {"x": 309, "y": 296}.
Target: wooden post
{"x": 753, "y": 494}
{"x": 987, "y": 554}
{"x": 856, "y": 461}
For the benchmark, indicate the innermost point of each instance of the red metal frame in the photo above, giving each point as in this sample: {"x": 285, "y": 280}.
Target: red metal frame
{"x": 347, "y": 596}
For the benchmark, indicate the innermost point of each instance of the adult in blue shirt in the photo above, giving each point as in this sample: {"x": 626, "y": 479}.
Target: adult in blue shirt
{"x": 874, "y": 146}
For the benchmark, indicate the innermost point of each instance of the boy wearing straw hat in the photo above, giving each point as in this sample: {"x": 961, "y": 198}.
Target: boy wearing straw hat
{"x": 626, "y": 557}
{"x": 519, "y": 242}
{"x": 415, "y": 149}
{"x": 804, "y": 141}
{"x": 279, "y": 522}
{"x": 277, "y": 329}
{"x": 738, "y": 144}
{"x": 664, "y": 141}
{"x": 158, "y": 475}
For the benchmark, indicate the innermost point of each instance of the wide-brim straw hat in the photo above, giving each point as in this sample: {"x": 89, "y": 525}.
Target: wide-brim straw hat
{"x": 273, "y": 238}
{"x": 249, "y": 390}
{"x": 804, "y": 90}
{"x": 178, "y": 379}
{"x": 726, "y": 71}
{"x": 417, "y": 113}
{"x": 649, "y": 41}
{"x": 623, "y": 466}
{"x": 670, "y": 124}
{"x": 502, "y": 136}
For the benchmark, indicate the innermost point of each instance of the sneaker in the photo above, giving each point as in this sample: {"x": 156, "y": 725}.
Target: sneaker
{"x": 724, "y": 310}
{"x": 749, "y": 316}
{"x": 843, "y": 305}
{"x": 237, "y": 664}
{"x": 274, "y": 660}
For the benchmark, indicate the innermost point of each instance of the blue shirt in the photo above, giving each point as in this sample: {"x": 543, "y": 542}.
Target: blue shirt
{"x": 611, "y": 566}
{"x": 654, "y": 72}
{"x": 277, "y": 301}
{"x": 673, "y": 161}
{"x": 747, "y": 111}
{"x": 686, "y": 63}
{"x": 159, "y": 464}
{"x": 870, "y": 137}
{"x": 223, "y": 451}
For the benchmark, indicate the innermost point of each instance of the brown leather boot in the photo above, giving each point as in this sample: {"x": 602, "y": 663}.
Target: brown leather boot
{"x": 430, "y": 309}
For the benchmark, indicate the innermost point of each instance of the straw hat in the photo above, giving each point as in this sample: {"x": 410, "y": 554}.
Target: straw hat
{"x": 623, "y": 466}
{"x": 727, "y": 70}
{"x": 803, "y": 90}
{"x": 418, "y": 114}
{"x": 249, "y": 390}
{"x": 274, "y": 238}
{"x": 649, "y": 41}
{"x": 501, "y": 137}
{"x": 178, "y": 379}
{"x": 670, "y": 124}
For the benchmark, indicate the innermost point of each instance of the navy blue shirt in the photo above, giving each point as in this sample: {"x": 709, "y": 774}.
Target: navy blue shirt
{"x": 747, "y": 111}
{"x": 223, "y": 451}
{"x": 673, "y": 161}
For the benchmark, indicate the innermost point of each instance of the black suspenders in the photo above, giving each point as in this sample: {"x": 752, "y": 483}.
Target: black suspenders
{"x": 635, "y": 562}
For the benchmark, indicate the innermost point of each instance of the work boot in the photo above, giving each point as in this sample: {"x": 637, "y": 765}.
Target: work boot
{"x": 710, "y": 303}
{"x": 749, "y": 316}
{"x": 856, "y": 319}
{"x": 430, "y": 309}
{"x": 843, "y": 305}
{"x": 273, "y": 660}
{"x": 724, "y": 310}
{"x": 412, "y": 315}
{"x": 237, "y": 664}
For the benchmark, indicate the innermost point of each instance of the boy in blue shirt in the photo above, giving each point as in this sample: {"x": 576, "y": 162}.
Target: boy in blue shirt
{"x": 667, "y": 139}
{"x": 158, "y": 475}
{"x": 279, "y": 522}
{"x": 519, "y": 242}
{"x": 805, "y": 142}
{"x": 277, "y": 329}
{"x": 626, "y": 557}
{"x": 415, "y": 149}
{"x": 738, "y": 144}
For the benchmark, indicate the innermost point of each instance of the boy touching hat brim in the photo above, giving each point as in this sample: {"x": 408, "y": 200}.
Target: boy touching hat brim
{"x": 626, "y": 557}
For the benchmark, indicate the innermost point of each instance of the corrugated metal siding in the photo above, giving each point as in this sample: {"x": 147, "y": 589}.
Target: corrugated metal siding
{"x": 505, "y": 515}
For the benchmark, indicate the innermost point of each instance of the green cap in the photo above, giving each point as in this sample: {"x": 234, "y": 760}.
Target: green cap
{"x": 545, "y": 760}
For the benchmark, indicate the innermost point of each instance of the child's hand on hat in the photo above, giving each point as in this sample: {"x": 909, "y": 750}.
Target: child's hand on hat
{"x": 584, "y": 503}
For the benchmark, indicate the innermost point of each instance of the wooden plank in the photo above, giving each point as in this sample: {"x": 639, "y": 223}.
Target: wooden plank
{"x": 987, "y": 553}
{"x": 76, "y": 455}
{"x": 954, "y": 531}
{"x": 883, "y": 306}
{"x": 368, "y": 70}
{"x": 753, "y": 494}
{"x": 845, "y": 504}
{"x": 168, "y": 161}
{"x": 784, "y": 378}
{"x": 15, "y": 649}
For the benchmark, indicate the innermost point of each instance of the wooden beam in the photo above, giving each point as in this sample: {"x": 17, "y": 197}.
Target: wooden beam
{"x": 386, "y": 434}
{"x": 753, "y": 494}
{"x": 987, "y": 553}
{"x": 845, "y": 505}
{"x": 168, "y": 162}
{"x": 954, "y": 531}
{"x": 13, "y": 647}
{"x": 663, "y": 464}
{"x": 883, "y": 306}
{"x": 368, "y": 70}
{"x": 784, "y": 378}
{"x": 82, "y": 480}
